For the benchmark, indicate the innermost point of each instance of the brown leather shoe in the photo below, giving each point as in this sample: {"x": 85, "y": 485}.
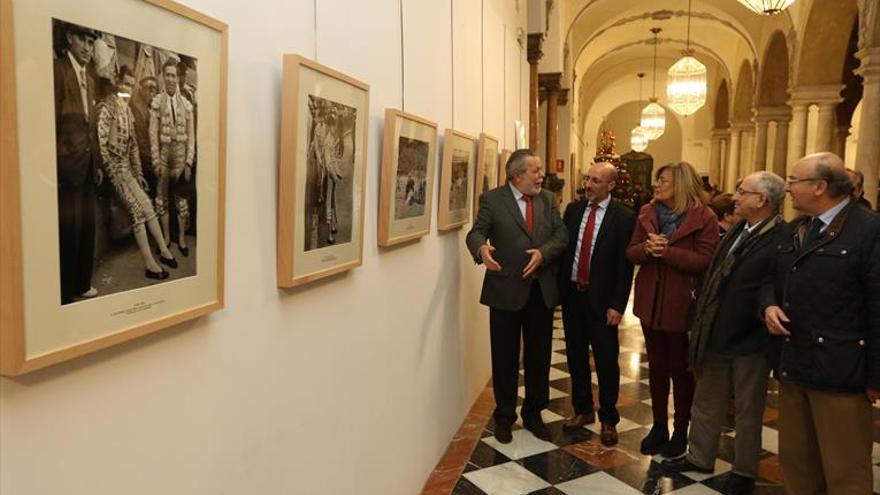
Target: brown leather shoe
{"x": 579, "y": 421}
{"x": 609, "y": 435}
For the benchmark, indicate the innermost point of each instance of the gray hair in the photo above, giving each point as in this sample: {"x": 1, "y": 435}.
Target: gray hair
{"x": 517, "y": 162}
{"x": 829, "y": 169}
{"x": 772, "y": 187}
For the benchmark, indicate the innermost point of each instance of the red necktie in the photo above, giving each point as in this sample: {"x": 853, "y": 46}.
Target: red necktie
{"x": 530, "y": 221}
{"x": 583, "y": 275}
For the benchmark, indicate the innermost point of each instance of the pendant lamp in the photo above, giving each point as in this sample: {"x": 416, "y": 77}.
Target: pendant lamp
{"x": 654, "y": 116}
{"x": 767, "y": 7}
{"x": 638, "y": 141}
{"x": 686, "y": 80}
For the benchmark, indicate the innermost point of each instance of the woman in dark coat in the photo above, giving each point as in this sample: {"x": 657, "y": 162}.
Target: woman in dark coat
{"x": 673, "y": 242}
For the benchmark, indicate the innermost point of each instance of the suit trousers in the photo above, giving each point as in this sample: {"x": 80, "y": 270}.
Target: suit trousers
{"x": 825, "y": 441}
{"x": 535, "y": 322}
{"x": 585, "y": 328}
{"x": 748, "y": 374}
{"x": 76, "y": 236}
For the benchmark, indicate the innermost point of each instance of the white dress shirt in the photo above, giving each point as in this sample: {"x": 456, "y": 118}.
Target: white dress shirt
{"x": 600, "y": 215}
{"x": 518, "y": 196}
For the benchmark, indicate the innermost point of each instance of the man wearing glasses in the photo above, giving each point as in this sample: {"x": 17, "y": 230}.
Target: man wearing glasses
{"x": 728, "y": 344}
{"x": 824, "y": 303}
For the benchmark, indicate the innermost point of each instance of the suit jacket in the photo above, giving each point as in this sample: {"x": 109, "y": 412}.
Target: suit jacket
{"x": 666, "y": 287}
{"x": 75, "y": 138}
{"x": 501, "y": 222}
{"x": 830, "y": 291}
{"x": 726, "y": 319}
{"x": 610, "y": 272}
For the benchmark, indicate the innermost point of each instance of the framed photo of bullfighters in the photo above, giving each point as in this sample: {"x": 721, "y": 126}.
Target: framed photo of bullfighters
{"x": 502, "y": 164}
{"x": 112, "y": 176}
{"x": 455, "y": 175}
{"x": 321, "y": 172}
{"x": 487, "y": 167}
{"x": 409, "y": 156}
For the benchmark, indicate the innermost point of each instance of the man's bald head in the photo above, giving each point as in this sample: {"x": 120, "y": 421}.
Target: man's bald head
{"x": 829, "y": 168}
{"x": 599, "y": 181}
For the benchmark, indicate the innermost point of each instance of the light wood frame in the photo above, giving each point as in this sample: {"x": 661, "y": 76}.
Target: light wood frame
{"x": 488, "y": 145}
{"x": 393, "y": 231}
{"x": 293, "y": 148}
{"x": 450, "y": 219}
{"x": 14, "y": 357}
{"x": 502, "y": 165}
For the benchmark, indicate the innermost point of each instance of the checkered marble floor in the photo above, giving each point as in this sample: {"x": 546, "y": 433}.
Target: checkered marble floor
{"x": 576, "y": 463}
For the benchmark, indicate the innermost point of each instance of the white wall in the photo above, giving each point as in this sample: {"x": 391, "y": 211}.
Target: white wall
{"x": 352, "y": 385}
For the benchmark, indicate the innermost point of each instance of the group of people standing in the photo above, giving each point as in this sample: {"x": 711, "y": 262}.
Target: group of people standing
{"x": 104, "y": 131}
{"x": 718, "y": 313}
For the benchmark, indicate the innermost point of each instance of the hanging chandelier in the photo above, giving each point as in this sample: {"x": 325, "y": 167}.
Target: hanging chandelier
{"x": 686, "y": 81}
{"x": 653, "y": 121}
{"x": 767, "y": 7}
{"x": 638, "y": 140}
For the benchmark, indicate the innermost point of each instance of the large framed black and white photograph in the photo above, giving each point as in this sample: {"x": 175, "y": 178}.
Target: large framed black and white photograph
{"x": 409, "y": 156}
{"x": 456, "y": 175}
{"x": 322, "y": 163}
{"x": 113, "y": 167}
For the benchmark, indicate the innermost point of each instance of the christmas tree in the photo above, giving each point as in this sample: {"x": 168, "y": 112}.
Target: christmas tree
{"x": 606, "y": 152}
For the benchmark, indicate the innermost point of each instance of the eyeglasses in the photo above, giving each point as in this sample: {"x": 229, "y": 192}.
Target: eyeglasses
{"x": 794, "y": 180}
{"x": 742, "y": 191}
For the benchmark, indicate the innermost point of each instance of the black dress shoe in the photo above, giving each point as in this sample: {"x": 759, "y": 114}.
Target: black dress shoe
{"x": 738, "y": 485}
{"x": 184, "y": 250}
{"x": 677, "y": 445}
{"x": 503, "y": 433}
{"x": 169, "y": 262}
{"x": 656, "y": 439}
{"x": 682, "y": 464}
{"x": 538, "y": 428}
{"x": 162, "y": 275}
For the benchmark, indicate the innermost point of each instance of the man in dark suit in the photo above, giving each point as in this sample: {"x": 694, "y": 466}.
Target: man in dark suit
{"x": 519, "y": 236}
{"x": 824, "y": 302}
{"x": 595, "y": 281}
{"x": 728, "y": 342}
{"x": 77, "y": 162}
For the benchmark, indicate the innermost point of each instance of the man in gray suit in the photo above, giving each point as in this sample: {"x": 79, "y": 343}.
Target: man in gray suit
{"x": 519, "y": 236}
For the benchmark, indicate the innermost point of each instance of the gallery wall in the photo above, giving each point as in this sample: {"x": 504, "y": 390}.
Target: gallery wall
{"x": 353, "y": 384}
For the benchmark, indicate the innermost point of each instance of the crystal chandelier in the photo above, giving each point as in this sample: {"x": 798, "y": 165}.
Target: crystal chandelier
{"x": 686, "y": 81}
{"x": 767, "y": 7}
{"x": 638, "y": 141}
{"x": 654, "y": 116}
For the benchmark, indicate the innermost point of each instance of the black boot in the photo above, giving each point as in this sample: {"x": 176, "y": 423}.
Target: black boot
{"x": 677, "y": 445}
{"x": 656, "y": 439}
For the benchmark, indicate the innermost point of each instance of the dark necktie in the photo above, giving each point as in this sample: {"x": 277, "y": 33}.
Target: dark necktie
{"x": 813, "y": 233}
{"x": 583, "y": 275}
{"x": 741, "y": 240}
{"x": 530, "y": 222}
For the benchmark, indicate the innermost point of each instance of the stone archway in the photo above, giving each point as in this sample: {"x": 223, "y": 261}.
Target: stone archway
{"x": 773, "y": 114}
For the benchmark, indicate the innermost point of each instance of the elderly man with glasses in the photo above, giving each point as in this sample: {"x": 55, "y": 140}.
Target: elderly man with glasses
{"x": 823, "y": 301}
{"x": 728, "y": 345}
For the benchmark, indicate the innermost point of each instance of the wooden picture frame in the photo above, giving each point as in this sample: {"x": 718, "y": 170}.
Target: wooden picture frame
{"x": 502, "y": 166}
{"x": 409, "y": 158}
{"x": 487, "y": 167}
{"x": 453, "y": 209}
{"x": 56, "y": 154}
{"x": 321, "y": 172}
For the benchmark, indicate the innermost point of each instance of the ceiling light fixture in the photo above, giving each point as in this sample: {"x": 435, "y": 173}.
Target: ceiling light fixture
{"x": 654, "y": 116}
{"x": 686, "y": 81}
{"x": 767, "y": 7}
{"x": 638, "y": 141}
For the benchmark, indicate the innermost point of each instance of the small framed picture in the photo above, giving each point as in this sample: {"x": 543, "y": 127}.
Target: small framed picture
{"x": 487, "y": 167}
{"x": 455, "y": 190}
{"x": 321, "y": 172}
{"x": 502, "y": 166}
{"x": 409, "y": 157}
{"x": 112, "y": 177}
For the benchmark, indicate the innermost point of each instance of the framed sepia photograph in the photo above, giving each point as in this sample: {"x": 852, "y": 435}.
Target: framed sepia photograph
{"x": 487, "y": 167}
{"x": 502, "y": 166}
{"x": 455, "y": 189}
{"x": 321, "y": 172}
{"x": 409, "y": 156}
{"x": 112, "y": 177}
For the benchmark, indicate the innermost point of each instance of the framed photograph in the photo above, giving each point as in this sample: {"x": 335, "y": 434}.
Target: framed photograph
{"x": 502, "y": 166}
{"x": 455, "y": 190}
{"x": 487, "y": 167}
{"x": 321, "y": 172}
{"x": 409, "y": 156}
{"x": 112, "y": 177}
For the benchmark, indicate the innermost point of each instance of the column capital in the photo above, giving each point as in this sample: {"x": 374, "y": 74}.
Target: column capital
{"x": 773, "y": 114}
{"x": 722, "y": 133}
{"x": 869, "y": 68}
{"x": 819, "y": 95}
{"x": 741, "y": 126}
{"x": 535, "y": 42}
{"x": 551, "y": 82}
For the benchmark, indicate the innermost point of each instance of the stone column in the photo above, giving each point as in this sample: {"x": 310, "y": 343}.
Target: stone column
{"x": 550, "y": 90}
{"x": 797, "y": 133}
{"x": 868, "y": 151}
{"x": 780, "y": 157}
{"x": 781, "y": 115}
{"x": 732, "y": 172}
{"x": 534, "y": 55}
{"x": 839, "y": 147}
{"x": 715, "y": 157}
{"x": 826, "y": 126}
{"x": 760, "y": 161}
{"x": 747, "y": 153}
